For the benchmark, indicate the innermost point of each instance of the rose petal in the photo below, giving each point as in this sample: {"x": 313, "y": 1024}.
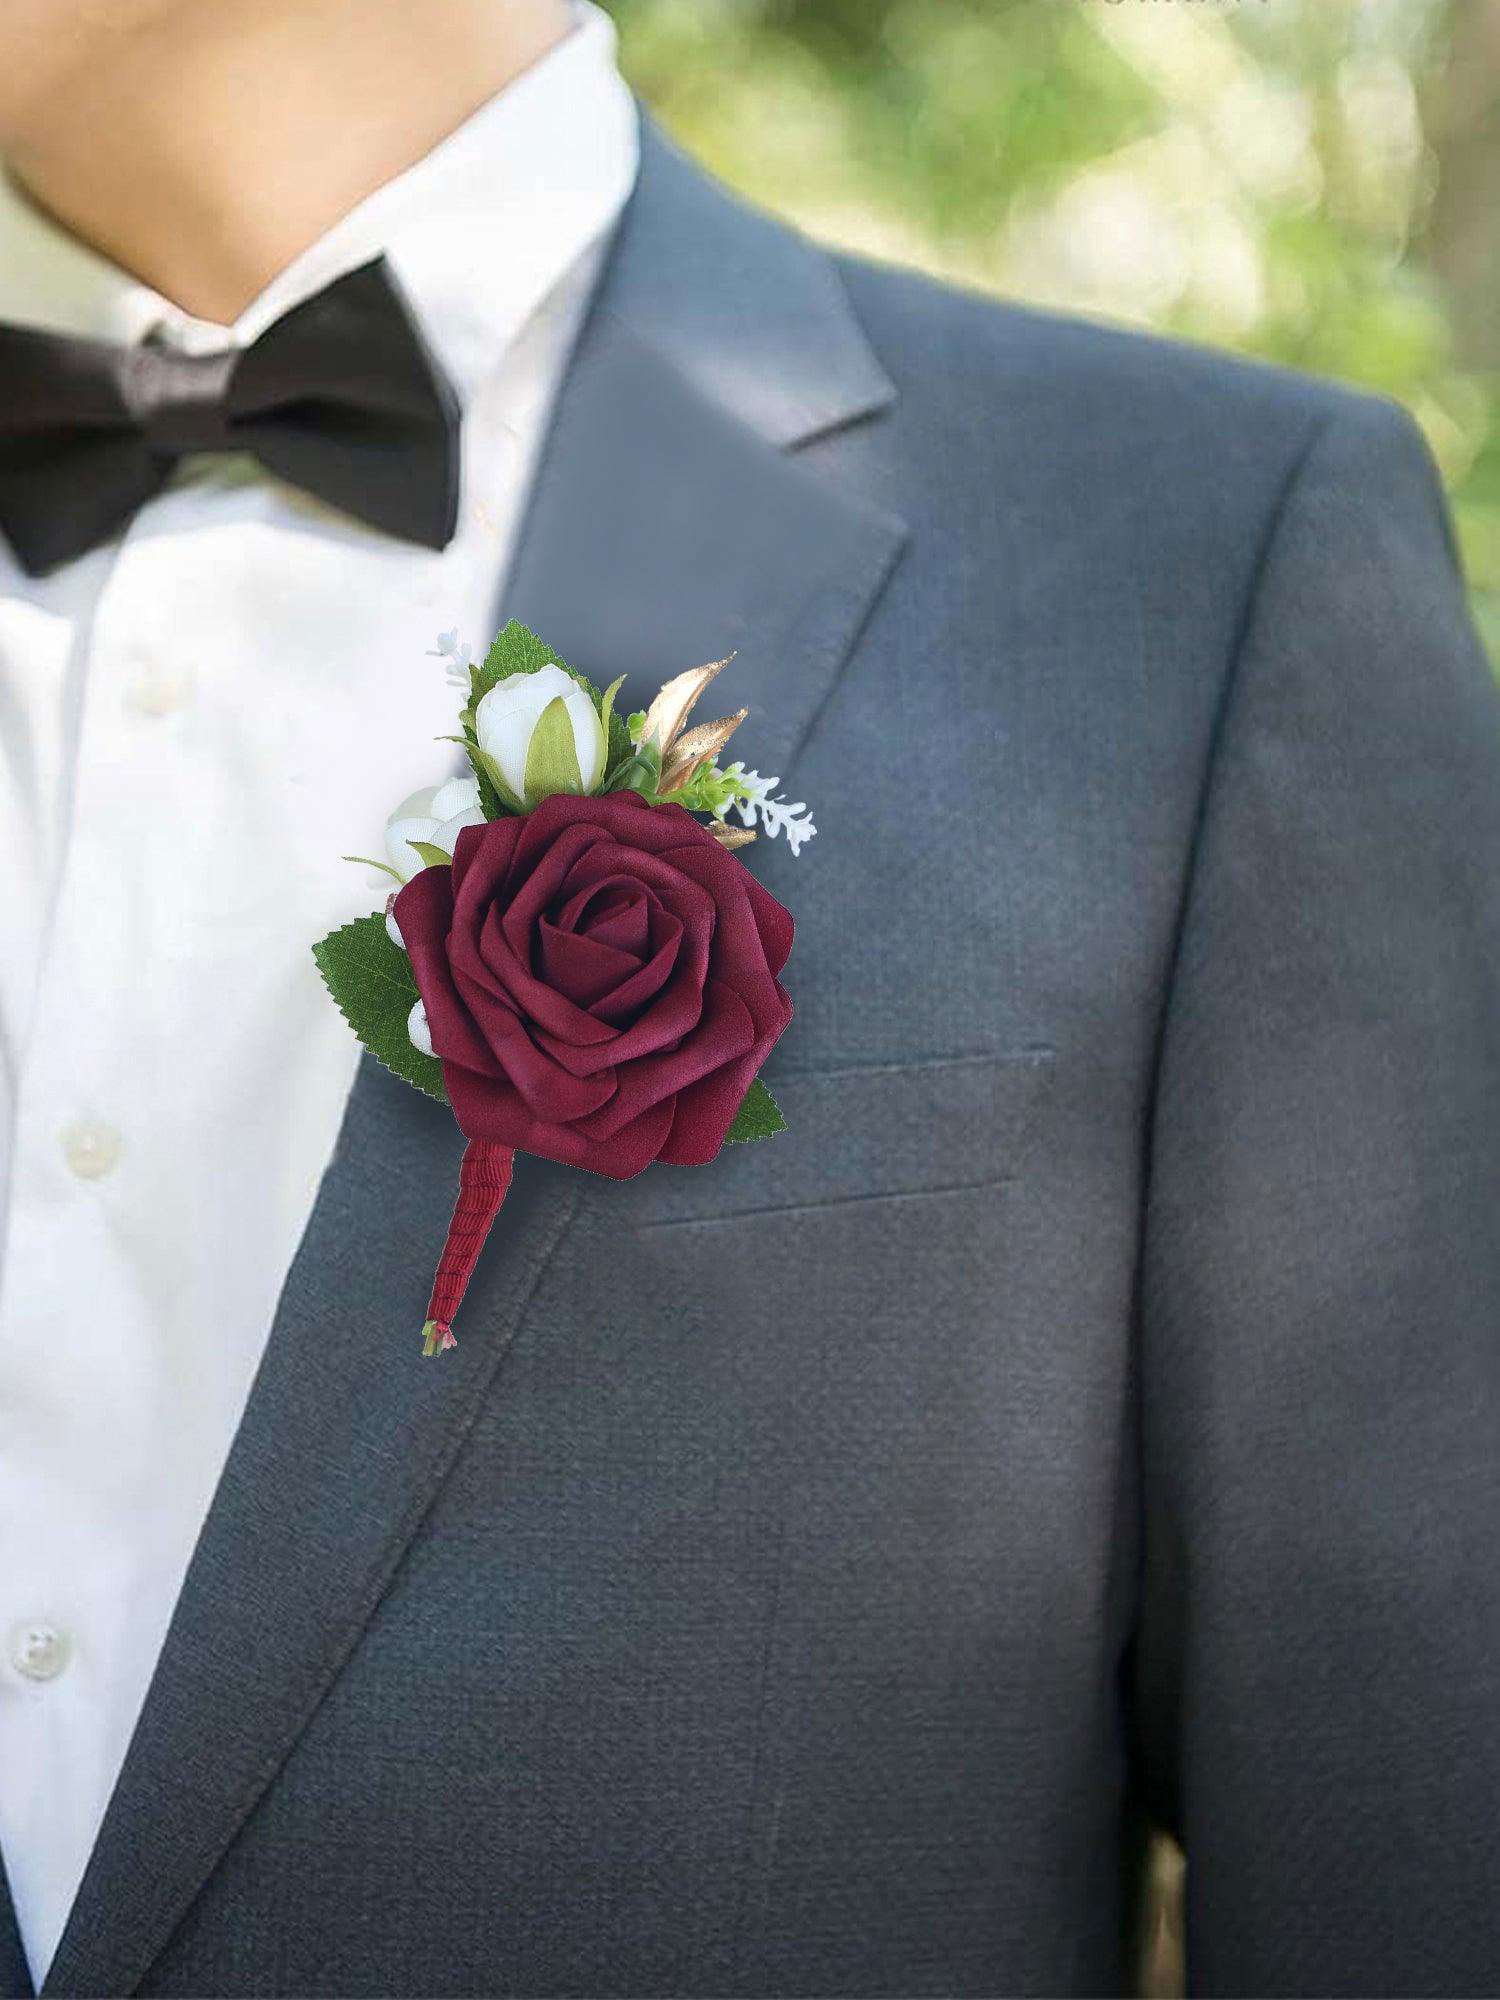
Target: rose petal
{"x": 705, "y": 1111}
{"x": 726, "y": 1034}
{"x": 423, "y": 910}
{"x": 487, "y": 1111}
{"x": 622, "y": 920}
{"x": 622, "y": 1005}
{"x": 617, "y": 911}
{"x": 536, "y": 880}
{"x": 577, "y": 1039}
{"x": 600, "y": 981}
{"x": 490, "y": 847}
{"x": 494, "y": 967}
{"x": 582, "y": 966}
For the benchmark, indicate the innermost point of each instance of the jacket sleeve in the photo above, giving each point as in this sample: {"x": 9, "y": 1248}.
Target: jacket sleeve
{"x": 1318, "y": 1658}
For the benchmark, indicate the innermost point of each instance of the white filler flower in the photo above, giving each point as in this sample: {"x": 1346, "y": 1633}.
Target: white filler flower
{"x": 775, "y": 815}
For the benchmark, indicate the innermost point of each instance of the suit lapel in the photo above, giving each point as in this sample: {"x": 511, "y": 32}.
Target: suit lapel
{"x": 662, "y": 534}
{"x": 673, "y": 519}
{"x": 669, "y": 524}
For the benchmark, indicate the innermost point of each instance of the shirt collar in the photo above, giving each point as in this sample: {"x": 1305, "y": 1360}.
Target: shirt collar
{"x": 480, "y": 231}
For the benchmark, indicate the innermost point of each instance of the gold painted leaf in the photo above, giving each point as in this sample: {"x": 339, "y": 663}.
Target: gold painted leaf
{"x": 690, "y": 749}
{"x": 674, "y": 703}
{"x": 732, "y": 836}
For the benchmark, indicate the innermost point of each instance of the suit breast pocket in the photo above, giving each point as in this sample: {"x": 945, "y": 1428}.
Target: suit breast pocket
{"x": 860, "y": 1135}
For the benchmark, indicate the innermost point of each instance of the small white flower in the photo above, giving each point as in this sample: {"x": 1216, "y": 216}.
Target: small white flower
{"x": 458, "y": 657}
{"x": 507, "y": 716}
{"x": 436, "y": 815}
{"x": 418, "y": 1032}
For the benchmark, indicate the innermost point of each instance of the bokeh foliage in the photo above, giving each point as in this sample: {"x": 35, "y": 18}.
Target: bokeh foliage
{"x": 1314, "y": 181}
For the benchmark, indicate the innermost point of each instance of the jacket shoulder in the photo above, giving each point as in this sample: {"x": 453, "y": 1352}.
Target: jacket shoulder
{"x": 993, "y": 364}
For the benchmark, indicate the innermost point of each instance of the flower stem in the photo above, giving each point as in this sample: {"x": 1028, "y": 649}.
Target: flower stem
{"x": 483, "y": 1181}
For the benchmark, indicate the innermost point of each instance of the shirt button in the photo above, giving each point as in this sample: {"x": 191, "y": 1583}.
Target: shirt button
{"x": 37, "y": 1650}
{"x": 162, "y": 689}
{"x": 90, "y": 1148}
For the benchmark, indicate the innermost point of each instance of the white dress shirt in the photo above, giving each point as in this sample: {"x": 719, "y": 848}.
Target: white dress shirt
{"x": 198, "y": 720}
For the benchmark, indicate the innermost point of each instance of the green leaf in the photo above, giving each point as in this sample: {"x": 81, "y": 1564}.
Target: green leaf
{"x": 365, "y": 861}
{"x": 639, "y": 772}
{"x": 610, "y": 720}
{"x": 631, "y": 776}
{"x": 432, "y": 857}
{"x": 371, "y": 980}
{"x": 694, "y": 794}
{"x": 516, "y": 650}
{"x": 490, "y": 802}
{"x": 759, "y": 1116}
{"x": 496, "y": 798}
{"x": 552, "y": 755}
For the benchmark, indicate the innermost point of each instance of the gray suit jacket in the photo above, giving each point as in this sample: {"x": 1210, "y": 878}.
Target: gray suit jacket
{"x": 808, "y": 1571}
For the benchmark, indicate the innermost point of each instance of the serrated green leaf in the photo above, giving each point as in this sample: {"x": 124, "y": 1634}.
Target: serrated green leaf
{"x": 431, "y": 857}
{"x": 759, "y": 1116}
{"x": 371, "y": 979}
{"x": 552, "y": 755}
{"x": 516, "y": 650}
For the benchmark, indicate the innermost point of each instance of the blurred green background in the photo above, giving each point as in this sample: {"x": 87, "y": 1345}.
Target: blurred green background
{"x": 1317, "y": 181}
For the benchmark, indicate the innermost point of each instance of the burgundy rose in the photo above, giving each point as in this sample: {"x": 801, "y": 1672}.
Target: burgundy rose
{"x": 600, "y": 981}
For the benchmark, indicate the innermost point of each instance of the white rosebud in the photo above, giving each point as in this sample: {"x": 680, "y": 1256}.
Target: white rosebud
{"x": 436, "y": 815}
{"x": 418, "y": 1032}
{"x": 508, "y": 714}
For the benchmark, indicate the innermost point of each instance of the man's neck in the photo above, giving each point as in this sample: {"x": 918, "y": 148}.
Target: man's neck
{"x": 220, "y": 141}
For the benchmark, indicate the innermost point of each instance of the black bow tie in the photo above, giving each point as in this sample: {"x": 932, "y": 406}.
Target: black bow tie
{"x": 341, "y": 396}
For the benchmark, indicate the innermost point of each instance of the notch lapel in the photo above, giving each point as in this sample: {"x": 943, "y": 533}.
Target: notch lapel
{"x": 671, "y": 522}
{"x": 675, "y": 517}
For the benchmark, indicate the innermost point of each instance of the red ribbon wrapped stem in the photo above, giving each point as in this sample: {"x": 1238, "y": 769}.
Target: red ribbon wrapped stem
{"x": 483, "y": 1182}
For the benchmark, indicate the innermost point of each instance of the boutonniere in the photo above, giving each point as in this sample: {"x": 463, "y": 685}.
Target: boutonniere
{"x": 573, "y": 957}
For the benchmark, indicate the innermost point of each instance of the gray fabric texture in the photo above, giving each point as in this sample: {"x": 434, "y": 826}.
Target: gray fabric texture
{"x": 809, "y": 1571}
